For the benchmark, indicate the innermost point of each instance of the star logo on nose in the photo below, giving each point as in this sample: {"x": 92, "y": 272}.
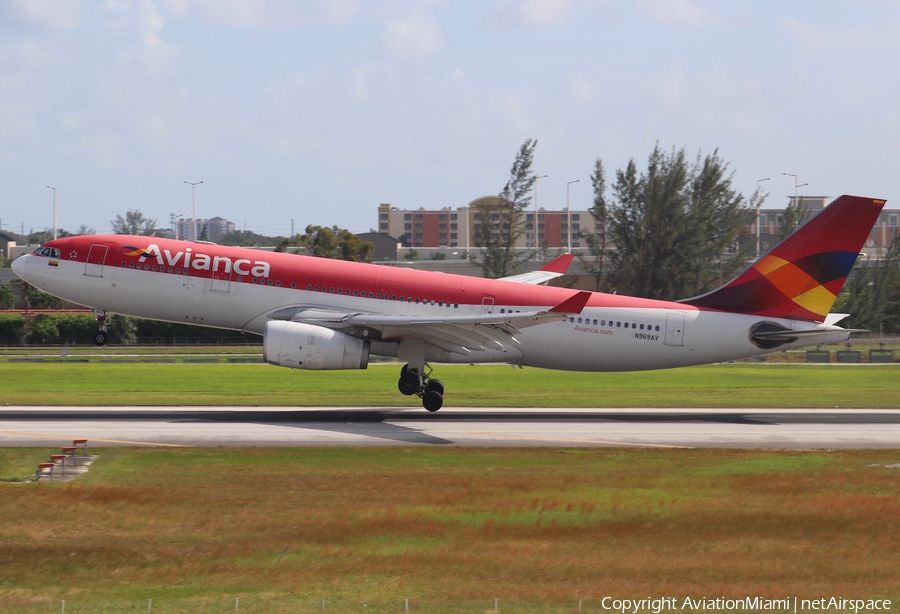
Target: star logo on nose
{"x": 73, "y": 255}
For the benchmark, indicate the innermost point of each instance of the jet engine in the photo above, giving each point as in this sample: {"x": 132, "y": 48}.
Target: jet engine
{"x": 304, "y": 346}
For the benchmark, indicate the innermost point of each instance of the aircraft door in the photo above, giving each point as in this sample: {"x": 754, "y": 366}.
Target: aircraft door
{"x": 674, "y": 329}
{"x": 487, "y": 304}
{"x": 221, "y": 281}
{"x": 96, "y": 257}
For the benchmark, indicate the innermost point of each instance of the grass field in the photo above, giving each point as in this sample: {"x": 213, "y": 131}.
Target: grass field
{"x": 448, "y": 529}
{"x": 730, "y": 385}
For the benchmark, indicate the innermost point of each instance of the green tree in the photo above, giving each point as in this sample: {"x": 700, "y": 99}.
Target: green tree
{"x": 596, "y": 242}
{"x": 37, "y": 299}
{"x": 334, "y": 242}
{"x": 794, "y": 216}
{"x": 12, "y": 327}
{"x": 122, "y": 329}
{"x": 7, "y": 298}
{"x": 134, "y": 223}
{"x": 499, "y": 240}
{"x": 42, "y": 329}
{"x": 412, "y": 255}
{"x": 675, "y": 227}
{"x": 872, "y": 296}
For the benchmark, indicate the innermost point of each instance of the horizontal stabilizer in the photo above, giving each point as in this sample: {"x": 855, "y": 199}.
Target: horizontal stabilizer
{"x": 551, "y": 270}
{"x": 573, "y": 304}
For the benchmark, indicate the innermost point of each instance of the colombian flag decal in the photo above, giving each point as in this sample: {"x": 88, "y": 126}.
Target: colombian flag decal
{"x": 54, "y": 263}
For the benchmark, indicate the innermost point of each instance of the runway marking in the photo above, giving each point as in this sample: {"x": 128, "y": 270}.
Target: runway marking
{"x": 54, "y": 436}
{"x": 563, "y": 439}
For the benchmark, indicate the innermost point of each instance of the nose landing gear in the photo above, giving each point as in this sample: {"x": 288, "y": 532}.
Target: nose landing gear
{"x": 431, "y": 391}
{"x": 101, "y": 336}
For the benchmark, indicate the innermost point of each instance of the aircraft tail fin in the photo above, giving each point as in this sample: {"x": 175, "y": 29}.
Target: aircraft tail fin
{"x": 801, "y": 277}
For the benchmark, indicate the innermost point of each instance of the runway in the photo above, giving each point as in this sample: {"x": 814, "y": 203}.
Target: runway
{"x": 366, "y": 426}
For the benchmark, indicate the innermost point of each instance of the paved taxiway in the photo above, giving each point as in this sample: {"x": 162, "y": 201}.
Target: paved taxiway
{"x": 241, "y": 426}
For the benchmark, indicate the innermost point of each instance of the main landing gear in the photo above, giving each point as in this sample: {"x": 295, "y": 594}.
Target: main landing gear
{"x": 101, "y": 336}
{"x": 415, "y": 381}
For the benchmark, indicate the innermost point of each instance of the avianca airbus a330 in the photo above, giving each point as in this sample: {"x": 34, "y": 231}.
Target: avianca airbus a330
{"x": 315, "y": 313}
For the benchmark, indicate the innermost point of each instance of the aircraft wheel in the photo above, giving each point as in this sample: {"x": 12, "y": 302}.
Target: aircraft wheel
{"x": 436, "y": 385}
{"x": 101, "y": 337}
{"x": 408, "y": 384}
{"x": 432, "y": 401}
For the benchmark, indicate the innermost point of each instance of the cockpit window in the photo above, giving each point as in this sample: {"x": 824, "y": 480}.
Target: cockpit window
{"x": 49, "y": 252}
{"x": 39, "y": 251}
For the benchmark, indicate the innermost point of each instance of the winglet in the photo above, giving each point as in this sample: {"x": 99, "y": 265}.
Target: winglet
{"x": 559, "y": 265}
{"x": 573, "y": 304}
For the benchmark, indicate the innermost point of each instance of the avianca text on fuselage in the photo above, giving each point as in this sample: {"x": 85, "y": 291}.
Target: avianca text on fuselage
{"x": 204, "y": 262}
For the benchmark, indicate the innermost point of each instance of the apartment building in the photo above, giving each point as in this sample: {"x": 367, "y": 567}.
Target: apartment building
{"x": 464, "y": 227}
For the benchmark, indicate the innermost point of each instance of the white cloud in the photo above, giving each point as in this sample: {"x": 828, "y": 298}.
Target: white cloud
{"x": 532, "y": 13}
{"x": 42, "y": 14}
{"x": 136, "y": 25}
{"x": 276, "y": 14}
{"x": 413, "y": 37}
{"x": 580, "y": 87}
{"x": 544, "y": 12}
{"x": 860, "y": 38}
{"x": 678, "y": 13}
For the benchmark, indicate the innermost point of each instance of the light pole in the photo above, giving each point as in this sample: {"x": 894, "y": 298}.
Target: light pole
{"x": 194, "y": 217}
{"x": 54, "y": 210}
{"x": 758, "y": 203}
{"x": 569, "y": 216}
{"x": 535, "y": 225}
{"x": 796, "y": 187}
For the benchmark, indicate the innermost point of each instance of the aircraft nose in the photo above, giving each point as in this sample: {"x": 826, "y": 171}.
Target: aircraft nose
{"x": 18, "y": 266}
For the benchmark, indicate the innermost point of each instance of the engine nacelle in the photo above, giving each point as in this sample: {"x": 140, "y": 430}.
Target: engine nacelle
{"x": 304, "y": 346}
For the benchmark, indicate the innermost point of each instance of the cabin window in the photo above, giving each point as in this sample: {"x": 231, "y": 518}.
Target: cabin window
{"x": 417, "y": 300}
{"x": 378, "y": 295}
{"x": 401, "y": 298}
{"x": 154, "y": 267}
{"x": 571, "y": 319}
{"x": 618, "y": 325}
{"x": 371, "y": 295}
{"x": 502, "y": 311}
{"x": 642, "y": 327}
{"x": 657, "y": 327}
{"x": 393, "y": 297}
{"x": 331, "y": 289}
{"x": 278, "y": 283}
{"x": 595, "y": 322}
{"x": 124, "y": 265}
{"x": 455, "y": 305}
{"x": 340, "y": 290}
{"x": 317, "y": 288}
{"x": 633, "y": 325}
{"x": 240, "y": 277}
{"x": 170, "y": 269}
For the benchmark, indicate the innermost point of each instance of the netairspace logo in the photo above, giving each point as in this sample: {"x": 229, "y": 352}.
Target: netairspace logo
{"x": 789, "y": 604}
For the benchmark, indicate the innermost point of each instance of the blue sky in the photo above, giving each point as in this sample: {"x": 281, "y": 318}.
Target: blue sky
{"x": 319, "y": 111}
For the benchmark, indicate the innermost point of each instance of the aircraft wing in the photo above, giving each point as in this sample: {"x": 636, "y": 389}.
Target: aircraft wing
{"x": 461, "y": 334}
{"x": 551, "y": 270}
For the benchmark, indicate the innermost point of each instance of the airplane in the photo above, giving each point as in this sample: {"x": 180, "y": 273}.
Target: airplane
{"x": 316, "y": 313}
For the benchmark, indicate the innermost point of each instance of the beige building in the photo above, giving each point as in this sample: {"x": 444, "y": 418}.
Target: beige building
{"x": 771, "y": 221}
{"x": 462, "y": 228}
